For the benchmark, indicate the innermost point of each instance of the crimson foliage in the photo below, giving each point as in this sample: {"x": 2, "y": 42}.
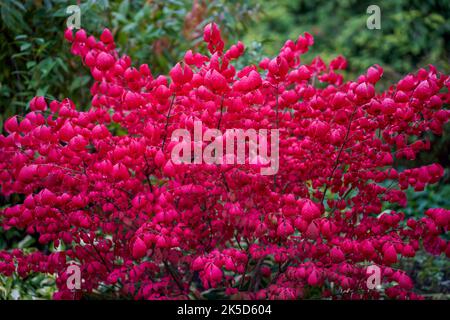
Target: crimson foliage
{"x": 146, "y": 228}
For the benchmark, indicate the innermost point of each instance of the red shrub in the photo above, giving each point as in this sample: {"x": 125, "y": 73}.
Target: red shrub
{"x": 148, "y": 228}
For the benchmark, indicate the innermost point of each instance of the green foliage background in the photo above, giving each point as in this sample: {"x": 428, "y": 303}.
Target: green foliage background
{"x": 36, "y": 60}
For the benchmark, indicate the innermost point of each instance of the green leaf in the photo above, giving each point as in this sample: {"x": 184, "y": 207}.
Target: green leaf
{"x": 26, "y": 242}
{"x": 24, "y": 46}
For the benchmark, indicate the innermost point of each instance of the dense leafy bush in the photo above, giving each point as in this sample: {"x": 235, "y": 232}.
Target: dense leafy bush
{"x": 141, "y": 226}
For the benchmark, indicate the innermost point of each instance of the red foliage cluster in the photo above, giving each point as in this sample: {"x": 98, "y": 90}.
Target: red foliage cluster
{"x": 100, "y": 186}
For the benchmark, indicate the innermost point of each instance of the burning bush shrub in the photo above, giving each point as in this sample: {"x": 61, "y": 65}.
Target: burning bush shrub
{"x": 101, "y": 187}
